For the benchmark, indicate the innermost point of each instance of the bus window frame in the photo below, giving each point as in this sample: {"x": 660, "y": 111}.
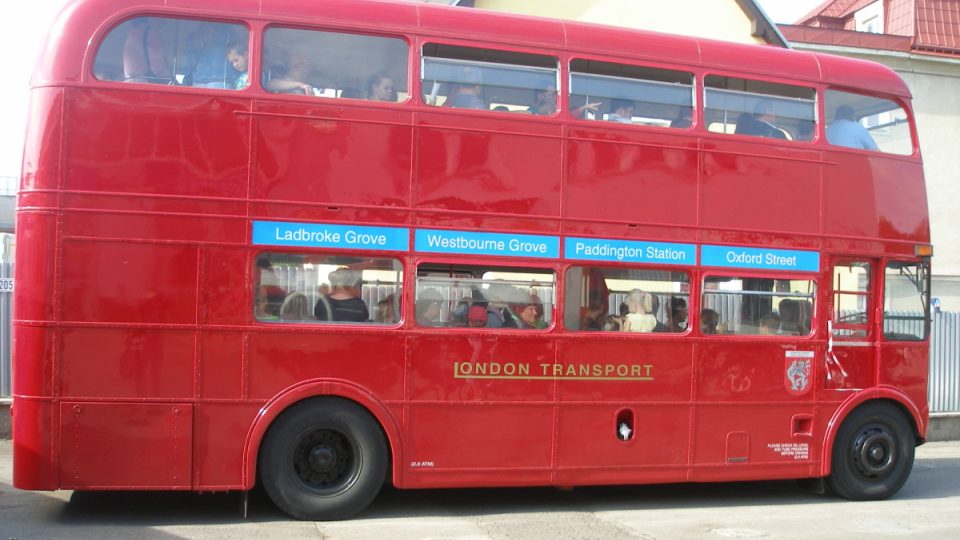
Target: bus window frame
{"x": 816, "y": 300}
{"x": 252, "y": 25}
{"x": 897, "y": 100}
{"x": 353, "y": 30}
{"x": 559, "y": 55}
{"x": 817, "y": 101}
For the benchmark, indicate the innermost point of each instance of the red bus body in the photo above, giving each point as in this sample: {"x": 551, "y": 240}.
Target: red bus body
{"x": 138, "y": 363}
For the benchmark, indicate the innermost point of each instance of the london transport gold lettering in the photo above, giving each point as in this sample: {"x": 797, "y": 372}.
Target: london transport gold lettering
{"x": 553, "y": 371}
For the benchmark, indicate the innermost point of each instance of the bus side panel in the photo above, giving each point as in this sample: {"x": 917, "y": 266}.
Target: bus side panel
{"x": 905, "y": 365}
{"x": 641, "y": 383}
{"x": 125, "y": 445}
{"x": 219, "y": 432}
{"x": 496, "y": 164}
{"x": 745, "y": 189}
{"x": 602, "y": 175}
{"x": 873, "y": 195}
{"x": 325, "y": 153}
{"x": 34, "y": 456}
{"x": 481, "y": 413}
{"x": 157, "y": 143}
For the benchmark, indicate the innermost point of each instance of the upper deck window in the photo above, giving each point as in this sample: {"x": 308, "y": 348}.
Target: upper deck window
{"x": 335, "y": 65}
{"x": 867, "y": 123}
{"x": 759, "y": 108}
{"x": 486, "y": 79}
{"x": 157, "y": 50}
{"x": 631, "y": 94}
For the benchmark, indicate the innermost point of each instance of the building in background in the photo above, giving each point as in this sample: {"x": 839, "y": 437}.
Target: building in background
{"x": 920, "y": 40}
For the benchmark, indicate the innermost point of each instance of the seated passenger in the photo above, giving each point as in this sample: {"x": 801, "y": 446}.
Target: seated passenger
{"x": 660, "y": 327}
{"x": 846, "y": 131}
{"x": 678, "y": 314}
{"x": 467, "y": 94}
{"x": 682, "y": 119}
{"x": 428, "y": 308}
{"x": 544, "y": 102}
{"x": 385, "y": 312}
{"x": 709, "y": 320}
{"x": 344, "y": 302}
{"x": 640, "y": 312}
{"x": 293, "y": 79}
{"x": 237, "y": 56}
{"x": 269, "y": 299}
{"x": 380, "y": 88}
{"x": 621, "y": 111}
{"x": 764, "y": 117}
{"x": 530, "y": 314}
{"x": 770, "y": 324}
{"x": 205, "y": 58}
{"x": 477, "y": 317}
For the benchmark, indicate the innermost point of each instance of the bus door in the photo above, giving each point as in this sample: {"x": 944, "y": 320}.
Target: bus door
{"x": 755, "y": 361}
{"x": 851, "y": 352}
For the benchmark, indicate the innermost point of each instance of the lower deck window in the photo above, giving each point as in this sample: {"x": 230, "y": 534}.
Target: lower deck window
{"x": 484, "y": 297}
{"x": 626, "y": 300}
{"x": 756, "y": 306}
{"x": 328, "y": 289}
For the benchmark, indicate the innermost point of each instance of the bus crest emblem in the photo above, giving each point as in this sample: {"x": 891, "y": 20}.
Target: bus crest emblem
{"x": 798, "y": 375}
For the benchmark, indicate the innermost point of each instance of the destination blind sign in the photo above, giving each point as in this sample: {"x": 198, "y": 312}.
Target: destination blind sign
{"x": 278, "y": 233}
{"x": 766, "y": 259}
{"x": 599, "y": 249}
{"x": 476, "y": 243}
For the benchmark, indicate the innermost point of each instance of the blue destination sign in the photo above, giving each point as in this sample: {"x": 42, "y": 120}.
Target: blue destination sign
{"x": 598, "y": 249}
{"x": 474, "y": 243}
{"x": 278, "y": 233}
{"x": 767, "y": 259}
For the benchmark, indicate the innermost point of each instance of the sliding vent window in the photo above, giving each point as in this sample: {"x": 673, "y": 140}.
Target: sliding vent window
{"x": 485, "y": 79}
{"x": 335, "y": 65}
{"x": 867, "y": 123}
{"x": 631, "y": 94}
{"x": 851, "y": 300}
{"x": 179, "y": 52}
{"x": 906, "y": 301}
{"x": 759, "y": 108}
{"x": 756, "y": 306}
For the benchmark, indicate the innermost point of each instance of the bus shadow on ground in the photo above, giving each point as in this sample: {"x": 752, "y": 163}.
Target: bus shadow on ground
{"x": 930, "y": 480}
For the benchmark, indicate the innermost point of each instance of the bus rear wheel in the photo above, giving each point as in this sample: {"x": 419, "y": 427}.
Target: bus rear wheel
{"x": 872, "y": 454}
{"x": 323, "y": 459}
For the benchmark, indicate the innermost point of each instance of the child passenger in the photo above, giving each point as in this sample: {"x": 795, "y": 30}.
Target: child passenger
{"x": 237, "y": 56}
{"x": 640, "y": 316}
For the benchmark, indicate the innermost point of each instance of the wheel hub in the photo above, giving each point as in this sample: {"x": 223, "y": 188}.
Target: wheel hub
{"x": 874, "y": 452}
{"x": 323, "y": 460}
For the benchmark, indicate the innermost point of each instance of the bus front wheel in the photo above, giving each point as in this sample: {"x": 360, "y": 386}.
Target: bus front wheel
{"x": 872, "y": 454}
{"x": 323, "y": 459}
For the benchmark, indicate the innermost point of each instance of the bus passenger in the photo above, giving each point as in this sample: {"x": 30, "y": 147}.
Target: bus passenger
{"x": 678, "y": 315}
{"x": 292, "y": 82}
{"x": 428, "y": 308}
{"x": 144, "y": 53}
{"x": 380, "y": 88}
{"x": 384, "y": 311}
{"x": 621, "y": 111}
{"x": 530, "y": 314}
{"x": 544, "y": 101}
{"x": 345, "y": 304}
{"x": 770, "y": 323}
{"x": 467, "y": 94}
{"x": 639, "y": 317}
{"x": 660, "y": 327}
{"x": 763, "y": 118}
{"x": 846, "y": 131}
{"x": 207, "y": 67}
{"x": 237, "y": 56}
{"x": 709, "y": 320}
{"x": 477, "y": 317}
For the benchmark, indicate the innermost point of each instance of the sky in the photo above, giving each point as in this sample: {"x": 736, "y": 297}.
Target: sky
{"x": 23, "y": 34}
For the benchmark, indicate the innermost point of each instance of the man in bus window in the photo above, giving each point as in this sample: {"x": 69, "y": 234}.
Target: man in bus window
{"x": 467, "y": 94}
{"x": 709, "y": 320}
{"x": 237, "y": 56}
{"x": 622, "y": 111}
{"x": 344, "y": 301}
{"x": 846, "y": 131}
{"x": 294, "y": 77}
{"x": 764, "y": 117}
{"x": 544, "y": 102}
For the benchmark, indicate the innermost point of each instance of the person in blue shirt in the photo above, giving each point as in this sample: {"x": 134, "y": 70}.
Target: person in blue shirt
{"x": 846, "y": 131}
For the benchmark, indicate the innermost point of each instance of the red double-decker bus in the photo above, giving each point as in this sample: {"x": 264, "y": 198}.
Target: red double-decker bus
{"x": 327, "y": 245}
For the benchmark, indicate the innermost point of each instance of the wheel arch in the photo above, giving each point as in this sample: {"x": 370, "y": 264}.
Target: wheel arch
{"x": 311, "y": 389}
{"x": 889, "y": 395}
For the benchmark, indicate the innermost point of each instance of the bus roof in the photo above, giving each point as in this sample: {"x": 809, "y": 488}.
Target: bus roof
{"x": 82, "y": 18}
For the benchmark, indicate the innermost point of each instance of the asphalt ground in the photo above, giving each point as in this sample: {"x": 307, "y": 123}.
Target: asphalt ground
{"x": 927, "y": 507}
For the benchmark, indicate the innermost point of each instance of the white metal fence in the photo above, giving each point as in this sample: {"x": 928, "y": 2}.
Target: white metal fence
{"x": 944, "y": 388}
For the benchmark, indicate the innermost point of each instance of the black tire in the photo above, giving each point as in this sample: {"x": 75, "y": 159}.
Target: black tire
{"x": 873, "y": 453}
{"x": 323, "y": 459}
